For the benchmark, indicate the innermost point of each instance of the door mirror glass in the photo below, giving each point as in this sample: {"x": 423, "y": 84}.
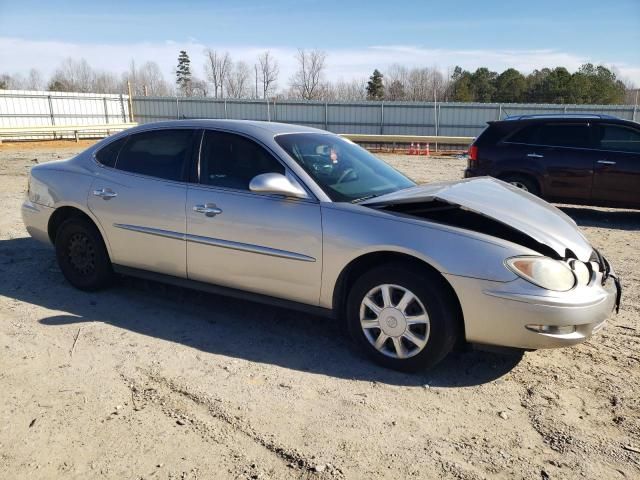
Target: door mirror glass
{"x": 276, "y": 183}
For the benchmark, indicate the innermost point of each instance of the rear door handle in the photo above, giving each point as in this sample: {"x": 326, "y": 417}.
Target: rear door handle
{"x": 105, "y": 193}
{"x": 534, "y": 155}
{"x": 606, "y": 162}
{"x": 209, "y": 209}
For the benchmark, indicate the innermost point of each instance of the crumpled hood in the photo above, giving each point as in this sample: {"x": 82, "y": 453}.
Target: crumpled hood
{"x": 504, "y": 203}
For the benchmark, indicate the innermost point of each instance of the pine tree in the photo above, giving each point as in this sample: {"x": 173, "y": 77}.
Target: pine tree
{"x": 375, "y": 87}
{"x": 183, "y": 73}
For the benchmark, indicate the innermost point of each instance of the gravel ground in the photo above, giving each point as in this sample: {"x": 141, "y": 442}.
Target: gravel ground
{"x": 146, "y": 381}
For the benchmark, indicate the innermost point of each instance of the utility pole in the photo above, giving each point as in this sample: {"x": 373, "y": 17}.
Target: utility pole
{"x": 255, "y": 67}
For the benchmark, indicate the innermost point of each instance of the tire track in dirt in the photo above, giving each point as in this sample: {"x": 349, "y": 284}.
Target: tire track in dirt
{"x": 211, "y": 420}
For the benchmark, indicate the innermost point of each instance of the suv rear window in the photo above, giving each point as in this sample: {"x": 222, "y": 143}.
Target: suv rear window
{"x": 554, "y": 135}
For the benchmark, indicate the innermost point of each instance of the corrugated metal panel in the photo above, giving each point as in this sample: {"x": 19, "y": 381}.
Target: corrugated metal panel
{"x": 21, "y": 108}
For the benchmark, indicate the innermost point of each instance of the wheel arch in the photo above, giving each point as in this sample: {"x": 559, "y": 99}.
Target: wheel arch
{"x": 359, "y": 265}
{"x": 519, "y": 173}
{"x": 64, "y": 212}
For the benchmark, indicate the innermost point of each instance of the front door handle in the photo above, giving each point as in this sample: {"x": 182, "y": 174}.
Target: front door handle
{"x": 209, "y": 209}
{"x": 105, "y": 193}
{"x": 606, "y": 162}
{"x": 534, "y": 155}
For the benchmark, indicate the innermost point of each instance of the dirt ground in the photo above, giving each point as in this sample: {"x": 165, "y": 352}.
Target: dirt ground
{"x": 148, "y": 382}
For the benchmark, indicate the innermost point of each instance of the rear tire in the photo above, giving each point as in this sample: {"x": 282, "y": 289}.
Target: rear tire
{"x": 523, "y": 182}
{"x": 82, "y": 255}
{"x": 405, "y": 335}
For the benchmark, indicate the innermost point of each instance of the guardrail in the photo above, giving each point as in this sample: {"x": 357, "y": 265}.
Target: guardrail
{"x": 402, "y": 139}
{"x": 63, "y": 131}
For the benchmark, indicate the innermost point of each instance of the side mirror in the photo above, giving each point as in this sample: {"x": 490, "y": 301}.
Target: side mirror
{"x": 276, "y": 183}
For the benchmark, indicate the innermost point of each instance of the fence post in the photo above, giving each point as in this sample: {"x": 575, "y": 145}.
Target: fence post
{"x": 53, "y": 119}
{"x": 124, "y": 118}
{"x": 106, "y": 110}
{"x": 500, "y": 112}
{"x": 381, "y": 118}
{"x": 435, "y": 121}
{"x": 326, "y": 115}
{"x": 225, "y": 109}
{"x": 268, "y": 110}
{"x": 130, "y": 101}
{"x": 177, "y": 108}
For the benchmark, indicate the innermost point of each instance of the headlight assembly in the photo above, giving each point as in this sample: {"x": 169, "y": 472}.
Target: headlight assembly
{"x": 544, "y": 272}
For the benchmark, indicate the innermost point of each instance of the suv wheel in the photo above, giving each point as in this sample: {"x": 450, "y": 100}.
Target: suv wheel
{"x": 523, "y": 182}
{"x": 82, "y": 255}
{"x": 403, "y": 318}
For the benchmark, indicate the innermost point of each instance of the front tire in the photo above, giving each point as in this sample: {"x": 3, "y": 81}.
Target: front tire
{"x": 403, "y": 317}
{"x": 82, "y": 255}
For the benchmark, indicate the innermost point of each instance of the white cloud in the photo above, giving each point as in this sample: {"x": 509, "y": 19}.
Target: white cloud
{"x": 19, "y": 55}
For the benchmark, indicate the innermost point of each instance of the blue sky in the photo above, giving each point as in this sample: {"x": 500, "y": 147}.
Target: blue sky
{"x": 358, "y": 36}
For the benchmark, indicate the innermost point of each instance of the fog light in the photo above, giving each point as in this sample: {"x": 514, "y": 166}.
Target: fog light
{"x": 552, "y": 329}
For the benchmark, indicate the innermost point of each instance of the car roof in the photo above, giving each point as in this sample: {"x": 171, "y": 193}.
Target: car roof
{"x": 251, "y": 127}
{"x": 569, "y": 116}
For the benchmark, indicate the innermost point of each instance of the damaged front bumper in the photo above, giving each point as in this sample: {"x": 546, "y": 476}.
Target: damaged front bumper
{"x": 517, "y": 314}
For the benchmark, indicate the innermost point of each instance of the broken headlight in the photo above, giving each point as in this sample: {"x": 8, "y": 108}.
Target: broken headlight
{"x": 544, "y": 272}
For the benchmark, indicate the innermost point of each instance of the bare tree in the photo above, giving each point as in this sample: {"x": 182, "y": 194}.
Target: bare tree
{"x": 345, "y": 91}
{"x": 396, "y": 80}
{"x": 269, "y": 71}
{"x": 217, "y": 68}
{"x": 34, "y": 80}
{"x": 73, "y": 76}
{"x": 147, "y": 80}
{"x": 199, "y": 88}
{"x": 152, "y": 80}
{"x": 306, "y": 81}
{"x": 105, "y": 82}
{"x": 12, "y": 82}
{"x": 237, "y": 81}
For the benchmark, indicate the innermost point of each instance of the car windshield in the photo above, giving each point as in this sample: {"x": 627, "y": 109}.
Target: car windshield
{"x": 344, "y": 171}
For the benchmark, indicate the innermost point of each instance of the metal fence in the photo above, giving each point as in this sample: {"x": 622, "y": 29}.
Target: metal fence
{"x": 27, "y": 108}
{"x": 382, "y": 118}
{"x": 23, "y": 108}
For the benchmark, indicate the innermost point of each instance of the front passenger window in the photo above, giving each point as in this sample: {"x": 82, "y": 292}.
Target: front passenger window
{"x": 619, "y": 138}
{"x": 231, "y": 161}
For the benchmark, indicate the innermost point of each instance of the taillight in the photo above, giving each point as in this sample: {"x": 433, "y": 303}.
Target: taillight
{"x": 473, "y": 156}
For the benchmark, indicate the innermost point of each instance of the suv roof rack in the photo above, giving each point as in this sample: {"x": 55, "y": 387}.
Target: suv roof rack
{"x": 561, "y": 115}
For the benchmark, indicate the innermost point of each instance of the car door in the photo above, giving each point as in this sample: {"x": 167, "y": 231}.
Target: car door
{"x": 140, "y": 200}
{"x": 562, "y": 153}
{"x": 260, "y": 243}
{"x": 617, "y": 167}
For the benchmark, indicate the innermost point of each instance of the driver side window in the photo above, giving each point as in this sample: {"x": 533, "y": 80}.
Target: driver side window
{"x": 232, "y": 161}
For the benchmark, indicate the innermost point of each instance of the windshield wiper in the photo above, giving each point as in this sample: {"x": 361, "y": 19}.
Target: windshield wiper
{"x": 366, "y": 197}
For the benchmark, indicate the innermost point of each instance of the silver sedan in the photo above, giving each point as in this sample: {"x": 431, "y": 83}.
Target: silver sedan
{"x": 296, "y": 216}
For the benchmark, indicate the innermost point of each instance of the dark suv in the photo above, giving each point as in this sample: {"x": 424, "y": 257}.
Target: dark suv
{"x": 582, "y": 159}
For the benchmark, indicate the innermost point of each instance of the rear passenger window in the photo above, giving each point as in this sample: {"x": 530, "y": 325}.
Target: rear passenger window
{"x": 159, "y": 153}
{"x": 524, "y": 135}
{"x": 107, "y": 155}
{"x": 231, "y": 161}
{"x": 619, "y": 138}
{"x": 563, "y": 135}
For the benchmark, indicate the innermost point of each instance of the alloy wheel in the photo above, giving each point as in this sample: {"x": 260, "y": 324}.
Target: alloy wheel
{"x": 394, "y": 321}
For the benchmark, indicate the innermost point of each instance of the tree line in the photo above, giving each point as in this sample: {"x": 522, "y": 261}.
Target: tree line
{"x": 223, "y": 77}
